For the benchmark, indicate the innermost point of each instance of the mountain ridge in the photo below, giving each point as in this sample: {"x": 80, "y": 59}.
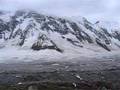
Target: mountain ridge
{"x": 36, "y": 31}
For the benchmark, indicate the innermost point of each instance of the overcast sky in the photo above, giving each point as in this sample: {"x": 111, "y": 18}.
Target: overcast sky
{"x": 91, "y": 9}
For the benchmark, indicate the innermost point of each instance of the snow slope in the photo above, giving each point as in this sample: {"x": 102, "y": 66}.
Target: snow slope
{"x": 29, "y": 36}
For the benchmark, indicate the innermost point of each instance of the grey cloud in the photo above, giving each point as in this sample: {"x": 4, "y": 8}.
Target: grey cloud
{"x": 92, "y": 9}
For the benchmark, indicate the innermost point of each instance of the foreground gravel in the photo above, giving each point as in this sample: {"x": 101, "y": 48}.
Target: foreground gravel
{"x": 87, "y": 74}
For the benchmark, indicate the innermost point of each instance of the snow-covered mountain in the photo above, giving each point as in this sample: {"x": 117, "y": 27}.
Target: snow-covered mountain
{"x": 38, "y": 32}
{"x": 110, "y": 25}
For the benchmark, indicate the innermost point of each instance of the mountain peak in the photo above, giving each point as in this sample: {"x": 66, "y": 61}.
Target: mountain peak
{"x": 32, "y": 30}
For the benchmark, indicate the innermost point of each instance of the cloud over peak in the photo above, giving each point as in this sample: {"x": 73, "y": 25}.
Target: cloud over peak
{"x": 92, "y": 9}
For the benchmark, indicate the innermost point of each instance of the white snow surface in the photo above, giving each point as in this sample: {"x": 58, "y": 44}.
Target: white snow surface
{"x": 23, "y": 54}
{"x": 11, "y": 52}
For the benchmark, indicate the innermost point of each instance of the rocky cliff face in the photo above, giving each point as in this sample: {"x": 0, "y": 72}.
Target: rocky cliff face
{"x": 37, "y": 31}
{"x": 116, "y": 34}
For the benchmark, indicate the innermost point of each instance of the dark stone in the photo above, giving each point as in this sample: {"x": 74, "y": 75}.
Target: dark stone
{"x": 116, "y": 35}
{"x": 102, "y": 45}
{"x": 37, "y": 46}
{"x": 76, "y": 43}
